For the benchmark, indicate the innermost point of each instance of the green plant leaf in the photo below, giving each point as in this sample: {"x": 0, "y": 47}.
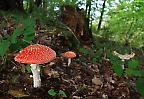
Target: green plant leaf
{"x": 139, "y": 85}
{"x": 17, "y": 32}
{"x": 4, "y": 45}
{"x": 97, "y": 56}
{"x": 132, "y": 72}
{"x": 52, "y": 92}
{"x": 62, "y": 93}
{"x": 28, "y": 38}
{"x": 115, "y": 59}
{"x": 133, "y": 63}
{"x": 116, "y": 64}
{"x": 28, "y": 22}
{"x": 94, "y": 59}
{"x": 117, "y": 68}
{"x": 84, "y": 50}
{"x": 28, "y": 68}
{"x": 29, "y": 31}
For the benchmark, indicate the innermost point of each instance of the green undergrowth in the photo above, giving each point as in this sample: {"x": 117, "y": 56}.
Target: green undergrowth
{"x": 132, "y": 67}
{"x": 21, "y": 34}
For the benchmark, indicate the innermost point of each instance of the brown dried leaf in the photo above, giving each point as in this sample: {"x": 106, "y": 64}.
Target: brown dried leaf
{"x": 17, "y": 93}
{"x": 96, "y": 81}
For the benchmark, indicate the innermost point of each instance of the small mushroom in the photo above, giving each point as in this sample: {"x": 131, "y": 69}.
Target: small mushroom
{"x": 34, "y": 55}
{"x": 125, "y": 56}
{"x": 69, "y": 55}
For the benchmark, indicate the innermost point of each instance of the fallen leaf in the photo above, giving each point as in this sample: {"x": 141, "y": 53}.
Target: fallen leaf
{"x": 96, "y": 81}
{"x": 51, "y": 73}
{"x": 17, "y": 93}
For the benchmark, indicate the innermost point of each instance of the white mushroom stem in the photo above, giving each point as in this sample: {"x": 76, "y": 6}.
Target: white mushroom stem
{"x": 69, "y": 61}
{"x": 36, "y": 75}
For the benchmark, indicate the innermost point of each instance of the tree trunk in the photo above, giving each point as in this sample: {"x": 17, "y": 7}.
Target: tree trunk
{"x": 101, "y": 17}
{"x": 89, "y": 24}
{"x": 11, "y": 5}
{"x": 88, "y": 10}
{"x": 77, "y": 21}
{"x": 38, "y": 2}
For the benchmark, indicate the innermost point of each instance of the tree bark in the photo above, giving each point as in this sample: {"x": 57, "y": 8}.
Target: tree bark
{"x": 88, "y": 10}
{"x": 101, "y": 17}
{"x": 38, "y": 2}
{"x": 77, "y": 20}
{"x": 11, "y": 5}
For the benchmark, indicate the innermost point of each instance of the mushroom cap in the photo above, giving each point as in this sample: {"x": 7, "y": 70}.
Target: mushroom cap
{"x": 35, "y": 54}
{"x": 69, "y": 54}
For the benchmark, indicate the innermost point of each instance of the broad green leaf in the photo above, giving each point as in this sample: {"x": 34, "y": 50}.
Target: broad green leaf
{"x": 117, "y": 68}
{"x": 114, "y": 59}
{"x": 28, "y": 22}
{"x": 139, "y": 85}
{"x": 28, "y": 68}
{"x": 4, "y": 45}
{"x": 52, "y": 92}
{"x": 17, "y": 32}
{"x": 28, "y": 38}
{"x": 62, "y": 93}
{"x": 84, "y": 50}
{"x": 19, "y": 45}
{"x": 116, "y": 64}
{"x": 133, "y": 63}
{"x": 29, "y": 31}
{"x": 94, "y": 59}
{"x": 132, "y": 72}
{"x": 97, "y": 57}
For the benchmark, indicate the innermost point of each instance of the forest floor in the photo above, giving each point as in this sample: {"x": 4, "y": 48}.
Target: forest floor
{"x": 83, "y": 79}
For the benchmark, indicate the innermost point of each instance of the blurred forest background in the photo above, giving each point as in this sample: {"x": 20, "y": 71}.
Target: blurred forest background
{"x": 112, "y": 20}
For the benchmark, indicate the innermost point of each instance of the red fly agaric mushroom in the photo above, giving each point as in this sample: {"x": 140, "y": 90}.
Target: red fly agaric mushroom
{"x": 34, "y": 55}
{"x": 69, "y": 55}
